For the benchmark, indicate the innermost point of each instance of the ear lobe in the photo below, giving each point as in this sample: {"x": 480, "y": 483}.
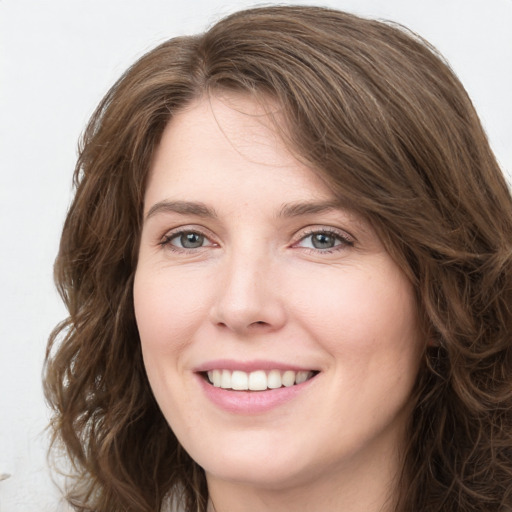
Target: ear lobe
{"x": 432, "y": 342}
{"x": 433, "y": 337}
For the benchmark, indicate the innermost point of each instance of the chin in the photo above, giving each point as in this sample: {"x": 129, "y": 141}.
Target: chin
{"x": 272, "y": 476}
{"x": 259, "y": 457}
{"x": 264, "y": 460}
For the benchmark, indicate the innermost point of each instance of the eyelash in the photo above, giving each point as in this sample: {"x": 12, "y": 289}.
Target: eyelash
{"x": 344, "y": 239}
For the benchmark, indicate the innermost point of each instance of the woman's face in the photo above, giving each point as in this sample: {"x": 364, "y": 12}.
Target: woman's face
{"x": 250, "y": 274}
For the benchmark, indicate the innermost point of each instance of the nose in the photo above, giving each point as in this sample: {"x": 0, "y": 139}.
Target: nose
{"x": 249, "y": 299}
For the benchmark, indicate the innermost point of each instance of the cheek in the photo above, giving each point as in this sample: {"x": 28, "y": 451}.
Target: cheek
{"x": 165, "y": 320}
{"x": 361, "y": 306}
{"x": 166, "y": 313}
{"x": 368, "y": 323}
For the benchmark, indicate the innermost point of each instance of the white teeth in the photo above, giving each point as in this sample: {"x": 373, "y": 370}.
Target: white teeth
{"x": 274, "y": 379}
{"x": 225, "y": 380}
{"x": 216, "y": 378}
{"x": 239, "y": 380}
{"x": 288, "y": 378}
{"x": 258, "y": 380}
{"x": 301, "y": 377}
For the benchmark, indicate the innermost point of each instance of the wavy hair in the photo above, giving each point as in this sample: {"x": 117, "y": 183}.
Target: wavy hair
{"x": 385, "y": 121}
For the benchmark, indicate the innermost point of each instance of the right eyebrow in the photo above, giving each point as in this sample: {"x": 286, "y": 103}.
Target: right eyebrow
{"x": 181, "y": 207}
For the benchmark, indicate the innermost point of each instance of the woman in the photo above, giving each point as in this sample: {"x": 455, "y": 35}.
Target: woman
{"x": 288, "y": 274}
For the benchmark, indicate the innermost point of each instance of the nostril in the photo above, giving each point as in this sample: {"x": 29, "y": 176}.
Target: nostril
{"x": 260, "y": 322}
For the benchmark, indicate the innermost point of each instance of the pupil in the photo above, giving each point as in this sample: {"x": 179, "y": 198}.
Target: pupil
{"x": 323, "y": 241}
{"x": 191, "y": 240}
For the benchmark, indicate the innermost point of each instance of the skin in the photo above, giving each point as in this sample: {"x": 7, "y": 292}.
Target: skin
{"x": 258, "y": 287}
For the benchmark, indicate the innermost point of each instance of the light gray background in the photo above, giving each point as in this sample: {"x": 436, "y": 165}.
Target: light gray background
{"x": 58, "y": 58}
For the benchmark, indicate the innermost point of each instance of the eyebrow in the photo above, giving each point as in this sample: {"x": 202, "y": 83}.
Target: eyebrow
{"x": 181, "y": 207}
{"x": 298, "y": 209}
{"x": 201, "y": 210}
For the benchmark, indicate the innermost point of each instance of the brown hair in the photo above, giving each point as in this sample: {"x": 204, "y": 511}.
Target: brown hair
{"x": 378, "y": 113}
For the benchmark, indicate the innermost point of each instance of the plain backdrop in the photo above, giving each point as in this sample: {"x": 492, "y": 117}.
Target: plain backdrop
{"x": 58, "y": 58}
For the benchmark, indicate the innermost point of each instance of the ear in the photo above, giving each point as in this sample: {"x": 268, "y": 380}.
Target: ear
{"x": 433, "y": 342}
{"x": 433, "y": 337}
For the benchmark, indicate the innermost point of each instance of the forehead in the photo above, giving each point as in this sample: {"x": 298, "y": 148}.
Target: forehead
{"x": 227, "y": 142}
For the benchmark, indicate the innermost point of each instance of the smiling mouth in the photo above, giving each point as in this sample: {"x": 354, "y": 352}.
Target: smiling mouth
{"x": 259, "y": 380}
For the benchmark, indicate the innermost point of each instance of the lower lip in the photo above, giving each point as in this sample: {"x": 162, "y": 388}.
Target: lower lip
{"x": 252, "y": 402}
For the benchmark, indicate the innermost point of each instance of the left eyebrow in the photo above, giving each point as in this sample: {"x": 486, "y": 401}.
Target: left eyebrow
{"x": 182, "y": 208}
{"x": 298, "y": 209}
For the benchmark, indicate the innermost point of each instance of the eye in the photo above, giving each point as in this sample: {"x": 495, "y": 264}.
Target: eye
{"x": 321, "y": 241}
{"x": 186, "y": 240}
{"x": 325, "y": 240}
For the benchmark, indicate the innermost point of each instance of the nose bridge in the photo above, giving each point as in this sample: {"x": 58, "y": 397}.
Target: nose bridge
{"x": 248, "y": 297}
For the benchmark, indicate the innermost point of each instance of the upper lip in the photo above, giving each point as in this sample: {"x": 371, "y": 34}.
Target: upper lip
{"x": 249, "y": 366}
